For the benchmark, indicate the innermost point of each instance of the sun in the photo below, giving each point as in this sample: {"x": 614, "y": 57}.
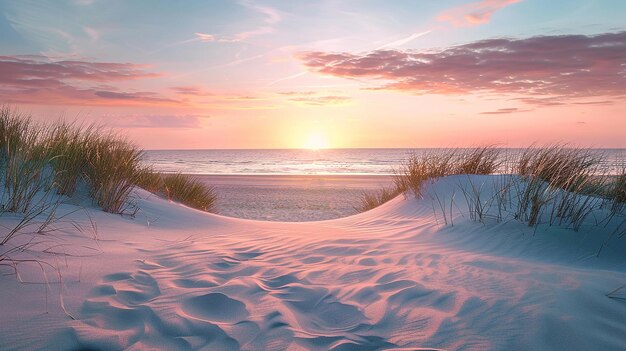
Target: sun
{"x": 316, "y": 141}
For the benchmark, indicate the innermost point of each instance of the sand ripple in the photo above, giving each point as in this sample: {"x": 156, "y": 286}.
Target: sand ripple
{"x": 330, "y": 286}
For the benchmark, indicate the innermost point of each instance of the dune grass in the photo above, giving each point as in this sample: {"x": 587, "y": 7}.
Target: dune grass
{"x": 180, "y": 188}
{"x": 35, "y": 158}
{"x": 23, "y": 160}
{"x": 556, "y": 184}
{"x": 565, "y": 178}
{"x": 41, "y": 164}
{"x": 431, "y": 165}
{"x": 189, "y": 191}
{"x": 113, "y": 168}
{"x": 419, "y": 168}
{"x": 617, "y": 192}
{"x": 150, "y": 180}
{"x": 69, "y": 145}
{"x": 372, "y": 200}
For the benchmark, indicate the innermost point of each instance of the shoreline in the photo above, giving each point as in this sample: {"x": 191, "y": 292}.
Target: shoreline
{"x": 357, "y": 181}
{"x": 291, "y": 198}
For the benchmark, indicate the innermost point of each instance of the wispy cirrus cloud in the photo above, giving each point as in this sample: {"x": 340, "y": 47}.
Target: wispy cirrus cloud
{"x": 39, "y": 80}
{"x": 270, "y": 18}
{"x": 403, "y": 41}
{"x": 205, "y": 37}
{"x": 537, "y": 69}
{"x": 474, "y": 13}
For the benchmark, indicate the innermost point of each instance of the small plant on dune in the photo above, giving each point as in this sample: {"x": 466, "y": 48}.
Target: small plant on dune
{"x": 189, "y": 191}
{"x": 113, "y": 168}
{"x": 412, "y": 174}
{"x": 178, "y": 187}
{"x": 23, "y": 160}
{"x": 372, "y": 200}
{"x": 476, "y": 205}
{"x": 617, "y": 193}
{"x": 559, "y": 165}
{"x": 480, "y": 160}
{"x": 419, "y": 168}
{"x": 562, "y": 177}
{"x": 69, "y": 145}
{"x": 150, "y": 180}
{"x": 431, "y": 165}
{"x": 26, "y": 181}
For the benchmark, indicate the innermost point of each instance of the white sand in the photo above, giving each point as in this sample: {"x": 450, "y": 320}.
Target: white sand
{"x": 390, "y": 279}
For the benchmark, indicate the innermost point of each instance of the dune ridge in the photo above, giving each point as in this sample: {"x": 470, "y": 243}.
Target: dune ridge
{"x": 393, "y": 278}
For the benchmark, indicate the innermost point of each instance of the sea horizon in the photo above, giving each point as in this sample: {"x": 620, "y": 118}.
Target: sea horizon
{"x": 335, "y": 161}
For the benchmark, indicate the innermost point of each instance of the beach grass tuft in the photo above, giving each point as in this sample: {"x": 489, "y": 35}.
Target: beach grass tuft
{"x": 431, "y": 165}
{"x": 189, "y": 191}
{"x": 35, "y": 158}
{"x": 556, "y": 184}
{"x": 371, "y": 200}
{"x": 617, "y": 192}
{"x": 150, "y": 180}
{"x": 113, "y": 168}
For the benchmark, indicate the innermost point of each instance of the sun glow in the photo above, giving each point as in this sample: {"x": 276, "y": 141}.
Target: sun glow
{"x": 316, "y": 141}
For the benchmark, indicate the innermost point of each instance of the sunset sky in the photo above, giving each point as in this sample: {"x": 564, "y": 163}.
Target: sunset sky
{"x": 354, "y": 73}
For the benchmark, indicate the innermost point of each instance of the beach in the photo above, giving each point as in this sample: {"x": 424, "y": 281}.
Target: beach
{"x": 393, "y": 278}
{"x": 259, "y": 175}
{"x": 292, "y": 198}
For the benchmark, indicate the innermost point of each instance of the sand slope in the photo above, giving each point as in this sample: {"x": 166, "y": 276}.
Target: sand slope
{"x": 393, "y": 278}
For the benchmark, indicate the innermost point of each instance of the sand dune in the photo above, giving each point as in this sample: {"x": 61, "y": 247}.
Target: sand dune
{"x": 394, "y": 278}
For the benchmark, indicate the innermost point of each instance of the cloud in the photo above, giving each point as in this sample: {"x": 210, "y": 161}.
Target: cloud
{"x": 191, "y": 90}
{"x": 133, "y": 96}
{"x": 503, "y": 111}
{"x": 154, "y": 121}
{"x": 204, "y": 37}
{"x": 23, "y": 68}
{"x": 289, "y": 77}
{"x": 403, "y": 41}
{"x": 39, "y": 80}
{"x": 474, "y": 13}
{"x": 270, "y": 18}
{"x": 271, "y": 15}
{"x": 542, "y": 70}
{"x": 292, "y": 93}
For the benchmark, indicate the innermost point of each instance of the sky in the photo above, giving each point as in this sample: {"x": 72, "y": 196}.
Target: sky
{"x": 351, "y": 73}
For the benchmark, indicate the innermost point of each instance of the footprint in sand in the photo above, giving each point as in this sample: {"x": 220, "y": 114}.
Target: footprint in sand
{"x": 215, "y": 307}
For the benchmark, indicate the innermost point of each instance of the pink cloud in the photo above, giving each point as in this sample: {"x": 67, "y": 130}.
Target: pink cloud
{"x": 17, "y": 69}
{"x": 191, "y": 90}
{"x": 39, "y": 80}
{"x": 504, "y": 111}
{"x": 542, "y": 70}
{"x": 474, "y": 13}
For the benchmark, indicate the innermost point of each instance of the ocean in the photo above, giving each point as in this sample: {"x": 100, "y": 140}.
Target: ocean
{"x": 299, "y": 185}
{"x": 310, "y": 162}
